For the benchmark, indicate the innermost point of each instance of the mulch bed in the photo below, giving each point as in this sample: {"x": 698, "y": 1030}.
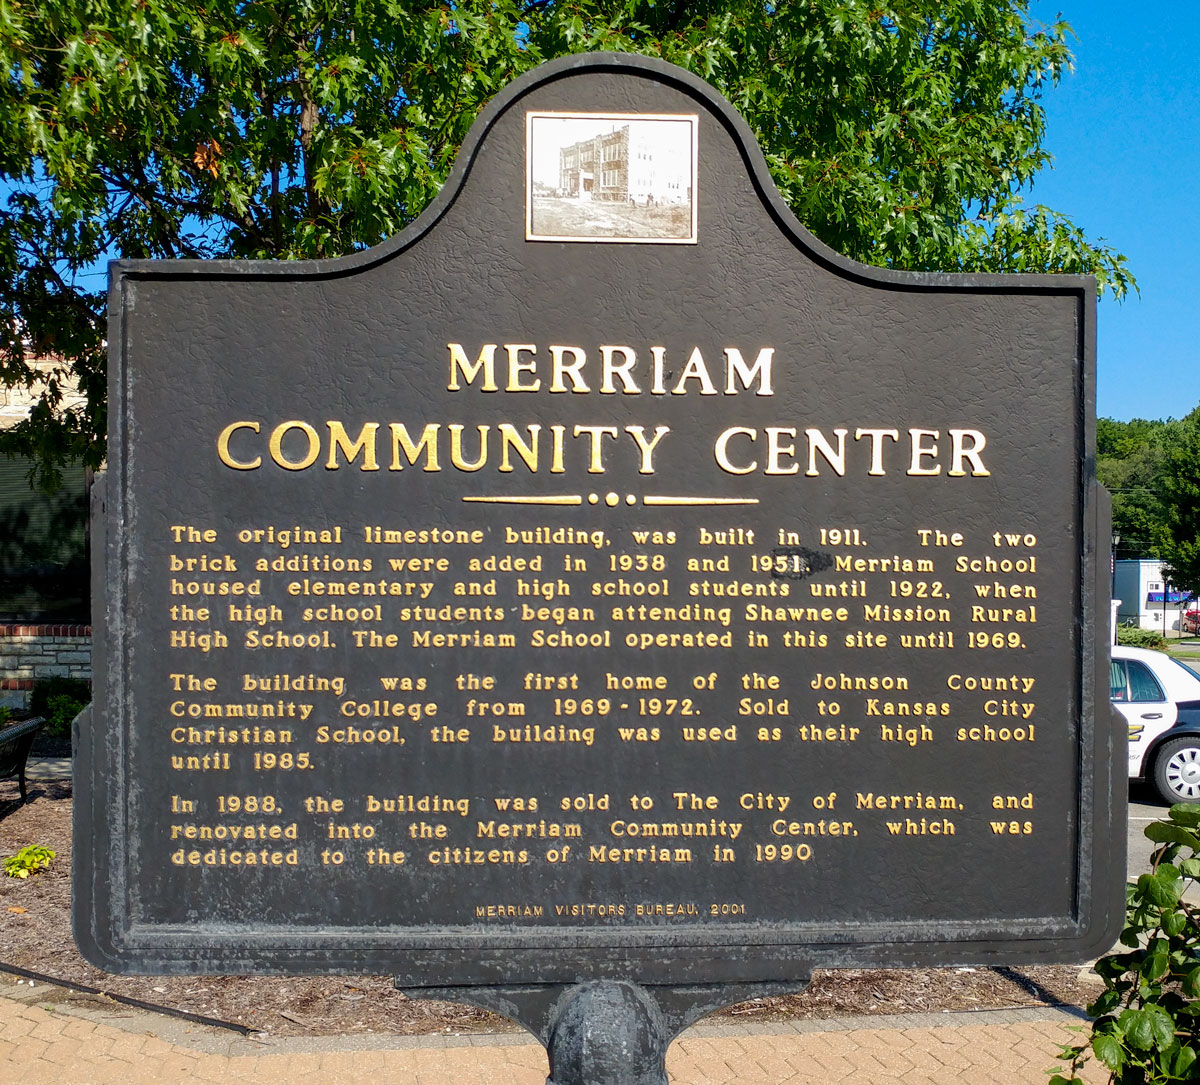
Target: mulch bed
{"x": 35, "y": 935}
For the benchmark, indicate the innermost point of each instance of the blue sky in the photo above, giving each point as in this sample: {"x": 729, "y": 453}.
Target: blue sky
{"x": 1124, "y": 130}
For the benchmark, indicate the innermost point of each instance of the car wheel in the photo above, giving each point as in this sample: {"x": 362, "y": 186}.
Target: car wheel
{"x": 1177, "y": 770}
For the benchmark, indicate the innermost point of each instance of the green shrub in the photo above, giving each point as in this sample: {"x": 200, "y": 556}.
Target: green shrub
{"x": 1134, "y": 637}
{"x": 1147, "y": 1021}
{"x": 45, "y": 688}
{"x": 60, "y": 714}
{"x": 59, "y": 701}
{"x": 5, "y": 714}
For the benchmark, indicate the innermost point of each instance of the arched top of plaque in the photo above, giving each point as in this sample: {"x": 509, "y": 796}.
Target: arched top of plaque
{"x": 614, "y": 151}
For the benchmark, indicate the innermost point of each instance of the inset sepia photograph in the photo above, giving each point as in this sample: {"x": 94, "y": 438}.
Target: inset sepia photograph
{"x": 621, "y": 177}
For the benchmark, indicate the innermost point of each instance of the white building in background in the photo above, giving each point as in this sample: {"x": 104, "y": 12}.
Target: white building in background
{"x": 625, "y": 166}
{"x": 1146, "y": 600}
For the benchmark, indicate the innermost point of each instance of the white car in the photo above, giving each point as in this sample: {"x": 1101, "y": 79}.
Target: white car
{"x": 1160, "y": 698}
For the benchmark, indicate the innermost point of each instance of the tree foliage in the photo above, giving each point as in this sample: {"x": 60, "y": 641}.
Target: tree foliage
{"x": 1179, "y": 534}
{"x": 1152, "y": 469}
{"x": 1129, "y": 461}
{"x": 904, "y": 134}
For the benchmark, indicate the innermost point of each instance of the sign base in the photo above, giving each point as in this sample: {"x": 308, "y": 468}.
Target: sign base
{"x": 608, "y": 1032}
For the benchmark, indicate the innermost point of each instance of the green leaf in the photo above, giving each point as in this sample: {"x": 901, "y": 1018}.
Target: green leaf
{"x": 1164, "y": 832}
{"x": 1162, "y": 888}
{"x": 1148, "y": 1028}
{"x": 1174, "y": 923}
{"x": 1157, "y": 960}
{"x": 1113, "y": 965}
{"x": 1185, "y": 1058}
{"x": 1109, "y": 1050}
{"x": 1186, "y": 814}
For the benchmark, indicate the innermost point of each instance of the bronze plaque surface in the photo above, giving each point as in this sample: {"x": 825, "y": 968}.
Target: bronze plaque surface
{"x": 600, "y": 577}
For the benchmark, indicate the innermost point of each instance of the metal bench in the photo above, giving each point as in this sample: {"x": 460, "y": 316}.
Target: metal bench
{"x": 15, "y": 743}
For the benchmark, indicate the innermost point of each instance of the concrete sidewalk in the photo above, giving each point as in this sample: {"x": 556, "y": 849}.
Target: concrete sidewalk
{"x": 88, "y": 1041}
{"x": 48, "y": 768}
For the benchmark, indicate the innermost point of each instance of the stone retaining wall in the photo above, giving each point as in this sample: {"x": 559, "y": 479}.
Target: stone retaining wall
{"x": 30, "y": 652}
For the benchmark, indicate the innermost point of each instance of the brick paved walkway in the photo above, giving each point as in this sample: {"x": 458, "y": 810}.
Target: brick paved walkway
{"x": 87, "y": 1042}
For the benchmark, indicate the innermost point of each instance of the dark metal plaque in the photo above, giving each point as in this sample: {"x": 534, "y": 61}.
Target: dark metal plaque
{"x": 601, "y": 578}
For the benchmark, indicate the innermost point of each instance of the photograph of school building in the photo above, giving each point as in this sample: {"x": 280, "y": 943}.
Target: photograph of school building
{"x": 611, "y": 177}
{"x": 622, "y": 165}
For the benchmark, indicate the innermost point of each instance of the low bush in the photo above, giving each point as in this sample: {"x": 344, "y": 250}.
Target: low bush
{"x": 61, "y": 713}
{"x": 59, "y": 701}
{"x": 29, "y": 860}
{"x": 1133, "y": 636}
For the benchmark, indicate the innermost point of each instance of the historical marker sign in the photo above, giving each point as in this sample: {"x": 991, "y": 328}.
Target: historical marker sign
{"x": 600, "y": 578}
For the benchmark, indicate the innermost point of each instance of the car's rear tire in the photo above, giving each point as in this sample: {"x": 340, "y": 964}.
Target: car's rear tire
{"x": 1177, "y": 770}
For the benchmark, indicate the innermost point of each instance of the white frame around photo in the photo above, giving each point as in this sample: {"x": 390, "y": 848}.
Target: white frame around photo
{"x": 548, "y": 134}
